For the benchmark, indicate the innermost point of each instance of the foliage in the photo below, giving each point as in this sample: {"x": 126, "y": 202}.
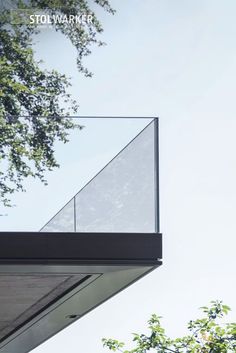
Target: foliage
{"x": 33, "y": 101}
{"x": 206, "y": 335}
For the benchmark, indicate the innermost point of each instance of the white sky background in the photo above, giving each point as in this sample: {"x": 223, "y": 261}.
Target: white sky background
{"x": 176, "y": 60}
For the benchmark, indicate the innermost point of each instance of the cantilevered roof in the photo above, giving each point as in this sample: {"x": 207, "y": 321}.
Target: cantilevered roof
{"x": 105, "y": 238}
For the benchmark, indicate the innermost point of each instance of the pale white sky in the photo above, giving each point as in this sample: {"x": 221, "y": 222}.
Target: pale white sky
{"x": 176, "y": 60}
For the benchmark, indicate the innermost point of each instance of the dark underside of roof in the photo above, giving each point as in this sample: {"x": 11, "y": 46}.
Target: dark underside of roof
{"x": 48, "y": 280}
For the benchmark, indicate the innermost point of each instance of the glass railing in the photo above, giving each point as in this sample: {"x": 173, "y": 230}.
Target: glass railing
{"x": 123, "y": 196}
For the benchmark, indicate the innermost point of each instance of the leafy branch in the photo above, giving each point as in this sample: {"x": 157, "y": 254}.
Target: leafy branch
{"x": 206, "y": 335}
{"x": 35, "y": 104}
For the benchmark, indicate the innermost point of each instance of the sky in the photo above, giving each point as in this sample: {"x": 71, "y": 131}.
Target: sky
{"x": 175, "y": 60}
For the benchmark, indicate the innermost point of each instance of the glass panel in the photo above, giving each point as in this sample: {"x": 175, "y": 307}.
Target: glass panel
{"x": 63, "y": 221}
{"x": 121, "y": 197}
